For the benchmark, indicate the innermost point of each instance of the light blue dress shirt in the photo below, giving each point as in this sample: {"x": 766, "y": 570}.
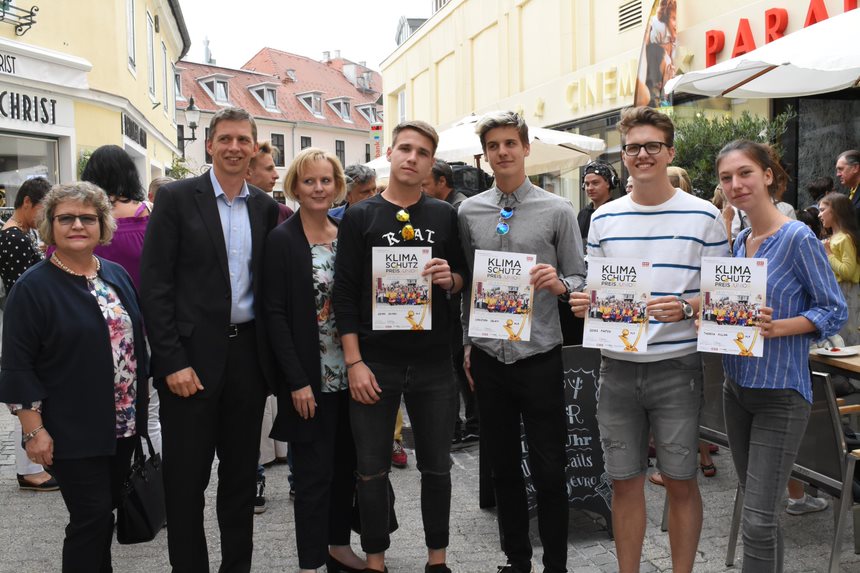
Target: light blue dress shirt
{"x": 237, "y": 237}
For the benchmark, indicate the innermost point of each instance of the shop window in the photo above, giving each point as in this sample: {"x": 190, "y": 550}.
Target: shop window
{"x": 22, "y": 158}
{"x": 340, "y": 150}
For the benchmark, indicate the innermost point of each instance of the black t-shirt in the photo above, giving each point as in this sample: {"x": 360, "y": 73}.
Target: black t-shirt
{"x": 372, "y": 223}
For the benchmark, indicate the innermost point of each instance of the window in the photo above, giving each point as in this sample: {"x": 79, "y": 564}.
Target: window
{"x": 313, "y": 102}
{"x": 305, "y": 142}
{"x": 341, "y": 108}
{"x": 278, "y": 146}
{"x": 177, "y": 84}
{"x": 401, "y": 106}
{"x": 164, "y": 83}
{"x": 206, "y": 149}
{"x": 340, "y": 150}
{"x": 218, "y": 90}
{"x": 132, "y": 61}
{"x": 267, "y": 96}
{"x": 369, "y": 113}
{"x": 150, "y": 53}
{"x": 366, "y": 152}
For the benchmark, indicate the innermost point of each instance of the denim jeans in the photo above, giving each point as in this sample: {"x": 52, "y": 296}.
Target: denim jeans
{"x": 764, "y": 428}
{"x": 531, "y": 388}
{"x": 429, "y": 393}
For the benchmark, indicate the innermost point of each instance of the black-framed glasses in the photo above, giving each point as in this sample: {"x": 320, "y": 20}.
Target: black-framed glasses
{"x": 407, "y": 231}
{"x": 503, "y": 228}
{"x": 69, "y": 220}
{"x": 651, "y": 148}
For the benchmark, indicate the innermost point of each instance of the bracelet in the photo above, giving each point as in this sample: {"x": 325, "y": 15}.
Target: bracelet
{"x": 348, "y": 366}
{"x": 30, "y": 435}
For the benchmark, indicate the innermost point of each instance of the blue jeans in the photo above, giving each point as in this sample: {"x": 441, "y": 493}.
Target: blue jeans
{"x": 430, "y": 396}
{"x": 764, "y": 428}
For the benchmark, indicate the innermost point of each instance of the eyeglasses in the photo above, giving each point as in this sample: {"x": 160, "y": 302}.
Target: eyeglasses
{"x": 407, "y": 231}
{"x": 502, "y": 228}
{"x": 69, "y": 220}
{"x": 651, "y": 148}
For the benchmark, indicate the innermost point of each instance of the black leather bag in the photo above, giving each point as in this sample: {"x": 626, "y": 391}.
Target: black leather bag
{"x": 141, "y": 513}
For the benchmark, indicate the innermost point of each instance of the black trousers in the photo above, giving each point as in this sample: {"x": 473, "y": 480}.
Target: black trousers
{"x": 90, "y": 489}
{"x": 471, "y": 425}
{"x": 227, "y": 420}
{"x": 324, "y": 470}
{"x": 532, "y": 388}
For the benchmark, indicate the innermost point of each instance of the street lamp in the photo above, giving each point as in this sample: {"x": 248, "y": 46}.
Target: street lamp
{"x": 192, "y": 116}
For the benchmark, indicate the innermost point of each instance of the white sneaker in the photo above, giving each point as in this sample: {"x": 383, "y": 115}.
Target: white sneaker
{"x": 807, "y": 504}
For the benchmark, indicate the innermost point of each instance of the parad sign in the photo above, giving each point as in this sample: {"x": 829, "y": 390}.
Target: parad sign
{"x": 775, "y": 24}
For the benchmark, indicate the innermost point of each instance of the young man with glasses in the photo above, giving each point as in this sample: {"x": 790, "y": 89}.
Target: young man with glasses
{"x": 658, "y": 391}
{"x": 382, "y": 365}
{"x": 516, "y": 379}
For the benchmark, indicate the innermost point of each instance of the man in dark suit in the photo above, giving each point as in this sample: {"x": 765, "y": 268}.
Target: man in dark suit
{"x": 848, "y": 172}
{"x": 200, "y": 277}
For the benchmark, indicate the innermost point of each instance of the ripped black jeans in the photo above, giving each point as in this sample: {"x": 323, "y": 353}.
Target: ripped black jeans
{"x": 430, "y": 395}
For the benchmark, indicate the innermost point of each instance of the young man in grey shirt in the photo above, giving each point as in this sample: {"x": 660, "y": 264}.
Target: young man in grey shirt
{"x": 516, "y": 378}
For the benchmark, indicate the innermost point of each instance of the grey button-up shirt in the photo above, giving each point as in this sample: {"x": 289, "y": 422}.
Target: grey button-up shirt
{"x": 544, "y": 225}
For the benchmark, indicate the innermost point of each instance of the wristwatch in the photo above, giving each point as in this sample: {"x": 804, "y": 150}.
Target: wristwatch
{"x": 686, "y": 308}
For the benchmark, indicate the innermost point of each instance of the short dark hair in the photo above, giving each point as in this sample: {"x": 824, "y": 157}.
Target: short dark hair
{"x": 819, "y": 187}
{"x": 112, "y": 169}
{"x": 35, "y": 188}
{"x": 421, "y": 127}
{"x": 644, "y": 115}
{"x": 441, "y": 169}
{"x": 231, "y": 114}
{"x": 810, "y": 219}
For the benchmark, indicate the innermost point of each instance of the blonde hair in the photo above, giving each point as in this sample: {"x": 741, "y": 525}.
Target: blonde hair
{"x": 679, "y": 178}
{"x": 311, "y": 155}
{"x": 80, "y": 192}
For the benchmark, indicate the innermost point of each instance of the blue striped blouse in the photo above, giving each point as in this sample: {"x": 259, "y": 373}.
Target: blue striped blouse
{"x": 800, "y": 282}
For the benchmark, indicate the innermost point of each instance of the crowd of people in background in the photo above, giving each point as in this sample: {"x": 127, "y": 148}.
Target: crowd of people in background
{"x": 214, "y": 320}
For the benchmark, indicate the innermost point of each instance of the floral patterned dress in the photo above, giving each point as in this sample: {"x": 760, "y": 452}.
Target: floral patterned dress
{"x": 124, "y": 360}
{"x": 331, "y": 352}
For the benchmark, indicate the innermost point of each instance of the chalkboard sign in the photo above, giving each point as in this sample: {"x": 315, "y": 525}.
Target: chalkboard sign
{"x": 588, "y": 485}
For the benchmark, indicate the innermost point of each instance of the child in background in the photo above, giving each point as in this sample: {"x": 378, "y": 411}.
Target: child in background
{"x": 837, "y": 215}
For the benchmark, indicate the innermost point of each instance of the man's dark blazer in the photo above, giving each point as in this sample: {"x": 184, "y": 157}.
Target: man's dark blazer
{"x": 291, "y": 315}
{"x": 185, "y": 286}
{"x": 856, "y": 202}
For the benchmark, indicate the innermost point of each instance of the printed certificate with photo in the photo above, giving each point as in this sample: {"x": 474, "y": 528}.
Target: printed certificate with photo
{"x": 616, "y": 318}
{"x": 501, "y": 296}
{"x": 401, "y": 296}
{"x": 733, "y": 291}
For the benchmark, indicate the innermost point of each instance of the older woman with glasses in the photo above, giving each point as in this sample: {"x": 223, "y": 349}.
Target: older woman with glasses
{"x": 73, "y": 359}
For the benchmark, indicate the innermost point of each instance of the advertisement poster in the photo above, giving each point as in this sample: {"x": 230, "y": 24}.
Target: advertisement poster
{"x": 659, "y": 56}
{"x": 501, "y": 296}
{"x": 733, "y": 290}
{"x": 616, "y": 319}
{"x": 402, "y": 297}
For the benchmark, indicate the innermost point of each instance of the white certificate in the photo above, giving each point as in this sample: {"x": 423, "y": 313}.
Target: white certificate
{"x": 616, "y": 318}
{"x": 401, "y": 296}
{"x": 733, "y": 291}
{"x": 502, "y": 298}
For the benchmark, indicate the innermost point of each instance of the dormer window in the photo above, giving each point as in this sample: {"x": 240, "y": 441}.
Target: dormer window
{"x": 313, "y": 102}
{"x": 369, "y": 113}
{"x": 266, "y": 94}
{"x": 341, "y": 108}
{"x": 216, "y": 87}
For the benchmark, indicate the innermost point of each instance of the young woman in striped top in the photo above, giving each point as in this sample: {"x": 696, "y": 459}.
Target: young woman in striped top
{"x": 767, "y": 400}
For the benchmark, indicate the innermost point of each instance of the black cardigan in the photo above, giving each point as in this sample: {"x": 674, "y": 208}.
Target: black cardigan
{"x": 291, "y": 319}
{"x": 56, "y": 348}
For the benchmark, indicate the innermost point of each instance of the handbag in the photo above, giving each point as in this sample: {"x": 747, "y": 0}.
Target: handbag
{"x": 141, "y": 513}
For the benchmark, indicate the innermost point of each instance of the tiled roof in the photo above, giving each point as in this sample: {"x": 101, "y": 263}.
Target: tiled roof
{"x": 270, "y": 65}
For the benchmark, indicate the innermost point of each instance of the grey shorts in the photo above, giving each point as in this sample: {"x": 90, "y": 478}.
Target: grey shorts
{"x": 663, "y": 398}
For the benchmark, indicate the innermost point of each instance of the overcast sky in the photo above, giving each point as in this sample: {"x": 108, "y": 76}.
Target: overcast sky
{"x": 361, "y": 30}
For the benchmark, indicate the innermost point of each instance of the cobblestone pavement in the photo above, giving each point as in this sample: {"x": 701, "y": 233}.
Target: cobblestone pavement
{"x": 31, "y": 528}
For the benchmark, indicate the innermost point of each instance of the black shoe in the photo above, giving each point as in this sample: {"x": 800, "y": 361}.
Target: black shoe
{"x": 48, "y": 485}
{"x": 456, "y": 438}
{"x": 438, "y": 568}
{"x": 260, "y": 500}
{"x": 292, "y": 492}
{"x": 332, "y": 565}
{"x": 471, "y": 436}
{"x": 513, "y": 569}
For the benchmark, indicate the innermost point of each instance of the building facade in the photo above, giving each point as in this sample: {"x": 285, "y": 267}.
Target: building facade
{"x": 84, "y": 74}
{"x": 297, "y": 102}
{"x": 574, "y": 66}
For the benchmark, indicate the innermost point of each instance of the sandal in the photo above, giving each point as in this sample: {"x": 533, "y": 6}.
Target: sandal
{"x": 657, "y": 479}
{"x": 713, "y": 449}
{"x": 709, "y": 470}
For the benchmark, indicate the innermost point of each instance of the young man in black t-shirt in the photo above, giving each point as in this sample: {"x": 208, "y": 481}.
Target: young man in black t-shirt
{"x": 383, "y": 365}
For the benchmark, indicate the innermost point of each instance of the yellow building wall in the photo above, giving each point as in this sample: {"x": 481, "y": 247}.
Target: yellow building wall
{"x": 95, "y": 126}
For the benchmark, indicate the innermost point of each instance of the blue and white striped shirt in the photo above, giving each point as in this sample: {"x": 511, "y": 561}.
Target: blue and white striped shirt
{"x": 800, "y": 282}
{"x": 674, "y": 236}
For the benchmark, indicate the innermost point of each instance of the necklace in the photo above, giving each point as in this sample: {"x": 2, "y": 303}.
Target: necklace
{"x": 56, "y": 260}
